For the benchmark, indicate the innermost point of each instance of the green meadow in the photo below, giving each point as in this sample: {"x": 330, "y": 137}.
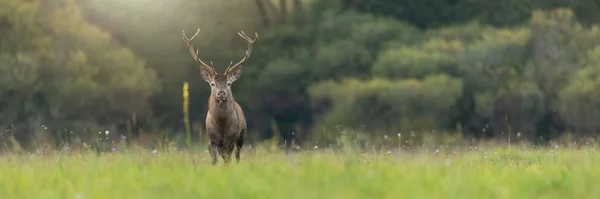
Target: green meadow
{"x": 313, "y": 173}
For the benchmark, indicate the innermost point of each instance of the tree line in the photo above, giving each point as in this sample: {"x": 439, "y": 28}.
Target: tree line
{"x": 486, "y": 69}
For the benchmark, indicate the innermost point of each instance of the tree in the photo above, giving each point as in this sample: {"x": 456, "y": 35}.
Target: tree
{"x": 60, "y": 71}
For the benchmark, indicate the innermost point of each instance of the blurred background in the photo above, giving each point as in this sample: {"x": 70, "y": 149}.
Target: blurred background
{"x": 529, "y": 70}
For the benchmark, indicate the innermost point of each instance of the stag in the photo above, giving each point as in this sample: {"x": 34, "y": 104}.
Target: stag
{"x": 225, "y": 120}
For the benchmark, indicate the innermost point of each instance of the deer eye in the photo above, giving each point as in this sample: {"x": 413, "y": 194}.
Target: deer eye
{"x": 212, "y": 84}
{"x": 229, "y": 84}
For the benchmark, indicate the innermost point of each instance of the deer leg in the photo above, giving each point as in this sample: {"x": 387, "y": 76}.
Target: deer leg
{"x": 225, "y": 152}
{"x": 226, "y": 157}
{"x": 238, "y": 144}
{"x": 238, "y": 147}
{"x": 212, "y": 148}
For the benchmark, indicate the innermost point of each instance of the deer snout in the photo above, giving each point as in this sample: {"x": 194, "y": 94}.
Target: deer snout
{"x": 221, "y": 95}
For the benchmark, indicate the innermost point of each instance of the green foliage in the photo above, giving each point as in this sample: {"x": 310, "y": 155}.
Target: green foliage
{"x": 70, "y": 70}
{"x": 384, "y": 105}
{"x": 510, "y": 77}
{"x": 579, "y": 101}
{"x": 432, "y": 57}
{"x": 476, "y": 66}
{"x": 515, "y": 107}
{"x": 438, "y": 13}
{"x": 154, "y": 31}
{"x": 292, "y": 57}
{"x": 341, "y": 59}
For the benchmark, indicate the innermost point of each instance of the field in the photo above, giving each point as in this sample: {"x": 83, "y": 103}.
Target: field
{"x": 468, "y": 173}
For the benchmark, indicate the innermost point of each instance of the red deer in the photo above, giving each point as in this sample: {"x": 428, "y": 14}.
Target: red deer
{"x": 225, "y": 120}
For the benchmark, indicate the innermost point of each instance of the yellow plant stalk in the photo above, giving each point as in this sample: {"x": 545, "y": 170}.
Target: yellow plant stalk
{"x": 188, "y": 134}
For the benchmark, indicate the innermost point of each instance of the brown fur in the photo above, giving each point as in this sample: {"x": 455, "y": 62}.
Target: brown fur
{"x": 225, "y": 123}
{"x": 225, "y": 120}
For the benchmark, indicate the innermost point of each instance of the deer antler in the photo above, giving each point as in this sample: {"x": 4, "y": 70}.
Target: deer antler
{"x": 248, "y": 51}
{"x": 211, "y": 67}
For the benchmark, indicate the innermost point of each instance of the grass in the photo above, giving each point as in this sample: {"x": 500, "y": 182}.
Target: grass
{"x": 522, "y": 173}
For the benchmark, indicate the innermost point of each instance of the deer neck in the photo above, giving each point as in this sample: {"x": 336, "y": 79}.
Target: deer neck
{"x": 221, "y": 109}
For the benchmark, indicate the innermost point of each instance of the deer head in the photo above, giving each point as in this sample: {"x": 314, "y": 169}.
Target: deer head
{"x": 220, "y": 83}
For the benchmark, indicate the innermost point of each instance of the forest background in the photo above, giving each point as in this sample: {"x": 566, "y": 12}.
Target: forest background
{"x": 475, "y": 69}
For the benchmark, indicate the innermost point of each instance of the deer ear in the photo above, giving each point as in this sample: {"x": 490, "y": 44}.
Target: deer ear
{"x": 206, "y": 75}
{"x": 234, "y": 74}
